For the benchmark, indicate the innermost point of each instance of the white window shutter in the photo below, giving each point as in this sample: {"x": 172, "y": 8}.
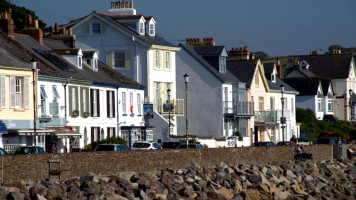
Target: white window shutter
{"x": 12, "y": 91}
{"x": 26, "y": 92}
{"x": 110, "y": 58}
{"x": 128, "y": 59}
{"x": 164, "y": 60}
{"x": 170, "y": 60}
{"x": 3, "y": 91}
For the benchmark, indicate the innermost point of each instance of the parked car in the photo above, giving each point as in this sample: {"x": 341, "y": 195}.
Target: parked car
{"x": 3, "y": 152}
{"x": 29, "y": 150}
{"x": 325, "y": 140}
{"x": 260, "y": 144}
{"x": 286, "y": 143}
{"x": 171, "y": 145}
{"x": 191, "y": 146}
{"x": 144, "y": 145}
{"x": 111, "y": 147}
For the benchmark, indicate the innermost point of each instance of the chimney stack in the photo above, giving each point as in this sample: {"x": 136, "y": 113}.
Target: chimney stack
{"x": 241, "y": 53}
{"x": 56, "y": 28}
{"x": 279, "y": 69}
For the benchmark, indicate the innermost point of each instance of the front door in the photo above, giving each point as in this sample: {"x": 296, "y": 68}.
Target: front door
{"x": 256, "y": 133}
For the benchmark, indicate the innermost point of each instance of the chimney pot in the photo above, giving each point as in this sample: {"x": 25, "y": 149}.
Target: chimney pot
{"x": 198, "y": 40}
{"x": 212, "y": 39}
{"x": 6, "y": 15}
{"x": 233, "y": 49}
{"x": 195, "y": 40}
{"x": 70, "y": 30}
{"x": 187, "y": 40}
{"x": 132, "y": 5}
{"x": 117, "y": 5}
{"x": 245, "y": 48}
{"x": 204, "y": 39}
{"x": 36, "y": 24}
{"x": 63, "y": 31}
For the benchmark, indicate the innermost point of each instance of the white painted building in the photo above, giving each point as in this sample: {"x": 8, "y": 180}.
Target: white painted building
{"x": 128, "y": 43}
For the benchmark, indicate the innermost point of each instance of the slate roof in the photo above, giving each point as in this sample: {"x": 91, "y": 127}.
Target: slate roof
{"x": 153, "y": 40}
{"x": 228, "y": 76}
{"x": 304, "y": 85}
{"x": 334, "y": 66}
{"x": 66, "y": 51}
{"x": 16, "y": 50}
{"x": 25, "y": 48}
{"x": 7, "y": 60}
{"x": 209, "y": 50}
{"x": 268, "y": 67}
{"x": 242, "y": 69}
{"x": 305, "y": 72}
{"x": 88, "y": 54}
{"x": 277, "y": 86}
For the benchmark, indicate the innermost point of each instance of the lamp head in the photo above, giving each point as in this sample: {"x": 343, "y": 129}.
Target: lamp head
{"x": 186, "y": 78}
{"x": 351, "y": 92}
{"x": 33, "y": 63}
{"x": 169, "y": 92}
{"x": 282, "y": 87}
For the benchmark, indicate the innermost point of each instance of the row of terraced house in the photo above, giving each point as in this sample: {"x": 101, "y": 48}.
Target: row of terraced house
{"x": 110, "y": 74}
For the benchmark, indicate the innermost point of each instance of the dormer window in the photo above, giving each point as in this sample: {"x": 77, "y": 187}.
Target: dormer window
{"x": 273, "y": 78}
{"x": 80, "y": 63}
{"x": 222, "y": 64}
{"x": 142, "y": 28}
{"x": 304, "y": 64}
{"x": 152, "y": 29}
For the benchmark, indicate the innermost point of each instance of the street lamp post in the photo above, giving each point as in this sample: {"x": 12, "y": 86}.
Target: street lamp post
{"x": 282, "y": 118}
{"x": 350, "y": 102}
{"x": 169, "y": 114}
{"x": 33, "y": 66}
{"x": 186, "y": 80}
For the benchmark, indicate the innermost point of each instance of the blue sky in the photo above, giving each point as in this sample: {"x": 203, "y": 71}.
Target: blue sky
{"x": 277, "y": 27}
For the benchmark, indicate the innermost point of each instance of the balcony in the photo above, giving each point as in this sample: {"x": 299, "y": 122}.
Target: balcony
{"x": 176, "y": 107}
{"x": 266, "y": 117}
{"x": 238, "y": 109}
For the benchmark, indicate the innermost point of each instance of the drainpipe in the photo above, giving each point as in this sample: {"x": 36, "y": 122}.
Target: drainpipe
{"x": 117, "y": 111}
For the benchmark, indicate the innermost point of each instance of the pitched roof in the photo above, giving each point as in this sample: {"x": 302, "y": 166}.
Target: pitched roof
{"x": 66, "y": 51}
{"x": 228, "y": 76}
{"x": 268, "y": 67}
{"x": 277, "y": 86}
{"x": 153, "y": 40}
{"x": 304, "y": 85}
{"x": 242, "y": 69}
{"x": 50, "y": 63}
{"x": 335, "y": 66}
{"x": 209, "y": 50}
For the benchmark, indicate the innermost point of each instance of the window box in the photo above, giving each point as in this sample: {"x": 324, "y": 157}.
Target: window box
{"x": 75, "y": 113}
{"x": 86, "y": 114}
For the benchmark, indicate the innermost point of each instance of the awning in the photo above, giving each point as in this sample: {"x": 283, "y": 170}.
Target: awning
{"x": 3, "y": 128}
{"x": 31, "y": 132}
{"x": 63, "y": 132}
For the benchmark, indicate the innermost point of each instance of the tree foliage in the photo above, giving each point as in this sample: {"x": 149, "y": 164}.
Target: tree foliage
{"x": 111, "y": 140}
{"x": 339, "y": 47}
{"x": 313, "y": 127}
{"x": 20, "y": 15}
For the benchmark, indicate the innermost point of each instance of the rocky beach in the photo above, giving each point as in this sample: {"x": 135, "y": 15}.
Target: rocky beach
{"x": 310, "y": 180}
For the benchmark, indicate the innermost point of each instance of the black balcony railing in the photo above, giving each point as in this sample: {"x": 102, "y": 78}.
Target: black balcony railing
{"x": 239, "y": 108}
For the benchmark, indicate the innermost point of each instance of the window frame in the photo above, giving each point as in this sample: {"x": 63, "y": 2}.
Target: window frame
{"x": 222, "y": 64}
{"x": 18, "y": 92}
{"x": 119, "y": 59}
{"x": 96, "y": 28}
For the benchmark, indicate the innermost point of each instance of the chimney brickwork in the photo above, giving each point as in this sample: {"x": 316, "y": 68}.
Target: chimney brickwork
{"x": 197, "y": 42}
{"x": 240, "y": 54}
